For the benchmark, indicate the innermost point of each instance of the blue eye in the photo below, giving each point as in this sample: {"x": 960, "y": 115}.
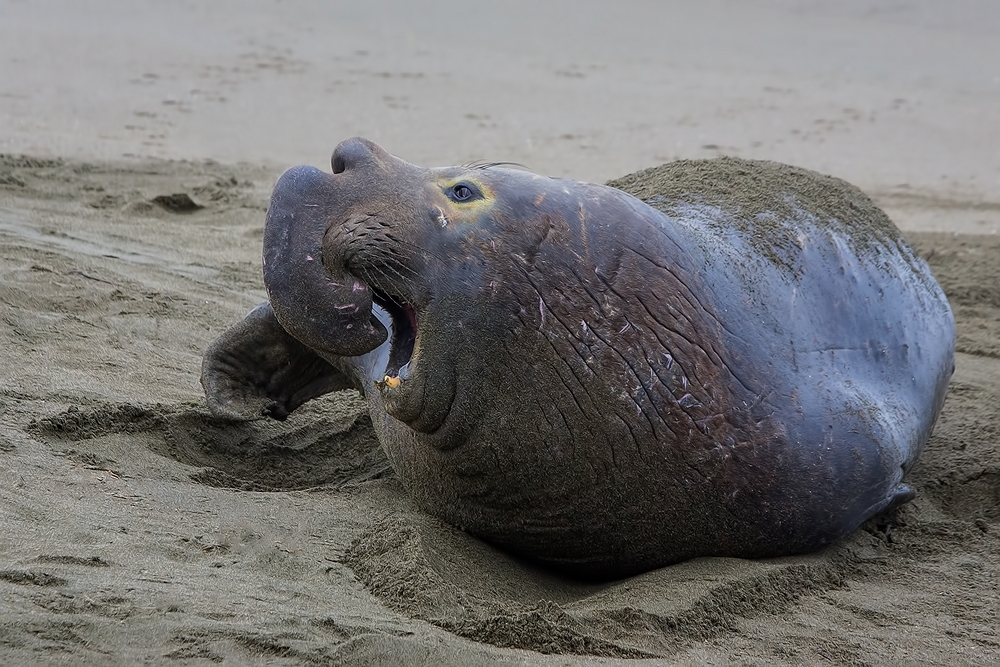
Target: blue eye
{"x": 464, "y": 192}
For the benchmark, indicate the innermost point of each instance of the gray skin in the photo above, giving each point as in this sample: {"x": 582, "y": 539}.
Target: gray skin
{"x": 747, "y": 369}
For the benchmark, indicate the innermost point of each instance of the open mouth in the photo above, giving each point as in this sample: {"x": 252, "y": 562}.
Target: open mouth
{"x": 404, "y": 335}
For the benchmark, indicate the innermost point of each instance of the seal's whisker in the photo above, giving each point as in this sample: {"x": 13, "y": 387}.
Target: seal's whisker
{"x": 401, "y": 264}
{"x": 420, "y": 250}
{"x": 395, "y": 270}
{"x": 482, "y": 165}
{"x": 367, "y": 274}
{"x": 380, "y": 280}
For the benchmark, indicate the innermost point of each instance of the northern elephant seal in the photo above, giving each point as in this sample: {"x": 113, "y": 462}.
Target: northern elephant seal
{"x": 745, "y": 364}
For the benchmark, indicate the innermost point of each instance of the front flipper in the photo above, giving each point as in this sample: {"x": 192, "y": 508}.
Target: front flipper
{"x": 257, "y": 369}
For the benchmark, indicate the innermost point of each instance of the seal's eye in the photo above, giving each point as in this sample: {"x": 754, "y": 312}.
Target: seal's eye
{"x": 464, "y": 192}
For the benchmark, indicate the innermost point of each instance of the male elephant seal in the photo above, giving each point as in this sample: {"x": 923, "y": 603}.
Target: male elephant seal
{"x": 744, "y": 365}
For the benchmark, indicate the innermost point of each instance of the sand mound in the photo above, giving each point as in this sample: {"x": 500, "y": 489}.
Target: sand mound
{"x": 331, "y": 448}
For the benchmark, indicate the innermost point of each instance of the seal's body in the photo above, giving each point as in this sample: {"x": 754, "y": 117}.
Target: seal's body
{"x": 746, "y": 365}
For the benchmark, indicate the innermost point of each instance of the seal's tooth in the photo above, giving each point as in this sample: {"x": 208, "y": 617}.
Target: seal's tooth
{"x": 392, "y": 382}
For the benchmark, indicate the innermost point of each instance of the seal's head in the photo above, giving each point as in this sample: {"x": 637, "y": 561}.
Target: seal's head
{"x": 432, "y": 247}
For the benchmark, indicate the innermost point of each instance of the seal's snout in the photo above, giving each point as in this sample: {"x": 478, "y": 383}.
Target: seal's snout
{"x": 322, "y": 306}
{"x": 353, "y": 154}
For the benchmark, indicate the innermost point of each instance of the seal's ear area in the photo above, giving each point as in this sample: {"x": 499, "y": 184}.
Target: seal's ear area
{"x": 256, "y": 369}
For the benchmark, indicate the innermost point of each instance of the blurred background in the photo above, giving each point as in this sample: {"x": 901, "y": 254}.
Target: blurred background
{"x": 897, "y": 97}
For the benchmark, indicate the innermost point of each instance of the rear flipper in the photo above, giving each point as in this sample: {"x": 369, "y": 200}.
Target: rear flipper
{"x": 899, "y": 496}
{"x": 257, "y": 369}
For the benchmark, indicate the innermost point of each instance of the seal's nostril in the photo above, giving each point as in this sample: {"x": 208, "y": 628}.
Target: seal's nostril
{"x": 351, "y": 154}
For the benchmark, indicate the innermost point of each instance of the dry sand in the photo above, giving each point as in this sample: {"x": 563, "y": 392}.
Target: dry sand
{"x": 136, "y": 528}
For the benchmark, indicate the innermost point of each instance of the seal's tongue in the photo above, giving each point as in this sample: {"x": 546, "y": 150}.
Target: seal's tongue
{"x": 325, "y": 308}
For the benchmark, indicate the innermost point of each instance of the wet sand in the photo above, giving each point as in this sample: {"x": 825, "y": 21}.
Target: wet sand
{"x": 135, "y": 527}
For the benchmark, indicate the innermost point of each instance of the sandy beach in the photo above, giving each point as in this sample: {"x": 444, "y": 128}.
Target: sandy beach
{"x": 139, "y": 142}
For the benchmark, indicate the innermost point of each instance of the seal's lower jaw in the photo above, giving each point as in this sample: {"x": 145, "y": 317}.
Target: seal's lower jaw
{"x": 404, "y": 338}
{"x": 412, "y": 392}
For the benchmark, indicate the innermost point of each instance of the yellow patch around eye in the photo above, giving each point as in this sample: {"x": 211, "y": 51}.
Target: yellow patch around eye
{"x": 485, "y": 200}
